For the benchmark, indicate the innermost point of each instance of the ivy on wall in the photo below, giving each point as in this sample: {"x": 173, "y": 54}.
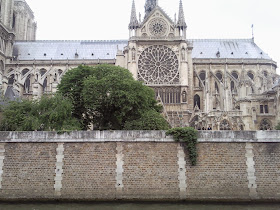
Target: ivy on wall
{"x": 187, "y": 136}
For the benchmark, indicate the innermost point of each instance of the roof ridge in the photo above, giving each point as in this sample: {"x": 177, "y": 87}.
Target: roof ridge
{"x": 247, "y": 40}
{"x": 48, "y": 41}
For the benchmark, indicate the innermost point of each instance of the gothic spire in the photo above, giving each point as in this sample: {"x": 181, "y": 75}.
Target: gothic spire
{"x": 149, "y": 6}
{"x": 181, "y": 17}
{"x": 133, "y": 18}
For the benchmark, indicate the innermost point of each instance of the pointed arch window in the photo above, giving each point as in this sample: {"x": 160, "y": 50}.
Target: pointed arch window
{"x": 27, "y": 85}
{"x": 202, "y": 77}
{"x": 43, "y": 72}
{"x": 251, "y": 75}
{"x": 24, "y": 72}
{"x": 60, "y": 72}
{"x": 219, "y": 76}
{"x": 197, "y": 101}
{"x": 235, "y": 75}
{"x": 11, "y": 79}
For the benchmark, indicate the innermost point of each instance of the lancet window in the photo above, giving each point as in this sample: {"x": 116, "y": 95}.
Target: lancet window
{"x": 202, "y": 76}
{"x": 27, "y": 85}
{"x": 251, "y": 75}
{"x": 169, "y": 95}
{"x": 197, "y": 101}
{"x": 219, "y": 76}
{"x": 235, "y": 75}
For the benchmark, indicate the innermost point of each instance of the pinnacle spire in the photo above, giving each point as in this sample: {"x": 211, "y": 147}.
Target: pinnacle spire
{"x": 181, "y": 17}
{"x": 149, "y": 6}
{"x": 133, "y": 18}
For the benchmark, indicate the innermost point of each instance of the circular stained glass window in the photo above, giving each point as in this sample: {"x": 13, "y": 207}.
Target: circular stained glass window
{"x": 158, "y": 65}
{"x": 158, "y": 27}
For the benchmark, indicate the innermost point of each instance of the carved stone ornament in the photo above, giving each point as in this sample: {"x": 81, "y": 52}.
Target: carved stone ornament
{"x": 158, "y": 27}
{"x": 158, "y": 65}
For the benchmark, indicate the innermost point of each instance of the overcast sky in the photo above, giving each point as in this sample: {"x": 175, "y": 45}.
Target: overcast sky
{"x": 108, "y": 19}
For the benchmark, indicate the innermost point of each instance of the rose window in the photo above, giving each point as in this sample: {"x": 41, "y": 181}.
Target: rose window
{"x": 158, "y": 65}
{"x": 158, "y": 27}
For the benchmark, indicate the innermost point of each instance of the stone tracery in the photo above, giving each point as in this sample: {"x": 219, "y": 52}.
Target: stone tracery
{"x": 158, "y": 65}
{"x": 158, "y": 27}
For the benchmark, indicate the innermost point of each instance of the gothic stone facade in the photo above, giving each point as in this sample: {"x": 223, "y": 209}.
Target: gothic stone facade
{"x": 217, "y": 84}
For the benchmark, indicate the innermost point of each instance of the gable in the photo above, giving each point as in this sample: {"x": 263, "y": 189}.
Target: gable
{"x": 157, "y": 25}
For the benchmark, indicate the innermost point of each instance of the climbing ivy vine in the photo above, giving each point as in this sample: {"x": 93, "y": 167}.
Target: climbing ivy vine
{"x": 188, "y": 137}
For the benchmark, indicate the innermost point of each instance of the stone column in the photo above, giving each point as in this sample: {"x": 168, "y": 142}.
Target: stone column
{"x": 132, "y": 57}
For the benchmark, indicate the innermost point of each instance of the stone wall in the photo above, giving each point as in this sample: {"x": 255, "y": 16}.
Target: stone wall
{"x": 138, "y": 165}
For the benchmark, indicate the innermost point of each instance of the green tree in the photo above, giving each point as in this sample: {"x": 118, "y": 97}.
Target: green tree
{"x": 278, "y": 126}
{"x": 49, "y": 113}
{"x": 55, "y": 113}
{"x": 71, "y": 86}
{"x": 19, "y": 116}
{"x": 112, "y": 97}
{"x": 149, "y": 120}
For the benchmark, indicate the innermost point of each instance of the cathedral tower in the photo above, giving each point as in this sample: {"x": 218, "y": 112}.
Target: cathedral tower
{"x": 149, "y": 6}
{"x": 158, "y": 55}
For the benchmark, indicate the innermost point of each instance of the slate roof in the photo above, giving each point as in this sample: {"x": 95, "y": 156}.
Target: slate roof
{"x": 62, "y": 50}
{"x": 88, "y": 50}
{"x": 227, "y": 48}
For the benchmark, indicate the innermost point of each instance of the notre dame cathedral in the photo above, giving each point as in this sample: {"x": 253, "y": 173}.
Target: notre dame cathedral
{"x": 205, "y": 83}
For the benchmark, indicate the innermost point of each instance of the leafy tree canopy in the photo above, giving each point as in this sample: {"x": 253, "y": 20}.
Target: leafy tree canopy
{"x": 108, "y": 97}
{"x": 47, "y": 114}
{"x": 71, "y": 86}
{"x": 113, "y": 97}
{"x": 149, "y": 120}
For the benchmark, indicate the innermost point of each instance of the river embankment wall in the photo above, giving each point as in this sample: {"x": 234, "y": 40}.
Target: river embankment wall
{"x": 139, "y": 165}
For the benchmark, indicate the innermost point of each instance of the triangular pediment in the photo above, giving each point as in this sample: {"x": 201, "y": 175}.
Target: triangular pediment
{"x": 154, "y": 11}
{"x": 157, "y": 24}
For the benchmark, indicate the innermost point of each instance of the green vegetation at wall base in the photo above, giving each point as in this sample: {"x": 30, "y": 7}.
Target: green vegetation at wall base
{"x": 188, "y": 137}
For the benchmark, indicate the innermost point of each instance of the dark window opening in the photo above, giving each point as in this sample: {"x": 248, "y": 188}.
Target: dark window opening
{"x": 219, "y": 76}
{"x": 43, "y": 71}
{"x": 168, "y": 96}
{"x": 24, "y": 71}
{"x": 232, "y": 86}
{"x": 45, "y": 84}
{"x": 202, "y": 77}
{"x": 197, "y": 101}
{"x": 264, "y": 109}
{"x": 251, "y": 75}
{"x": 27, "y": 85}
{"x": 11, "y": 79}
{"x": 216, "y": 87}
{"x": 14, "y": 21}
{"x": 261, "y": 109}
{"x": 235, "y": 75}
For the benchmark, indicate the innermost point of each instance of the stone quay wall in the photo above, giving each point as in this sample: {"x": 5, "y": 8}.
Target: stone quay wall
{"x": 139, "y": 165}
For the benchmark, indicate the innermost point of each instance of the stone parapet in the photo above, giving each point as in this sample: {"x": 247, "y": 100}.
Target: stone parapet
{"x": 138, "y": 136}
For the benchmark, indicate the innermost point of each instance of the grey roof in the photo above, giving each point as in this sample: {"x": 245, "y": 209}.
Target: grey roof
{"x": 227, "y": 48}
{"x": 62, "y": 50}
{"x": 88, "y": 50}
